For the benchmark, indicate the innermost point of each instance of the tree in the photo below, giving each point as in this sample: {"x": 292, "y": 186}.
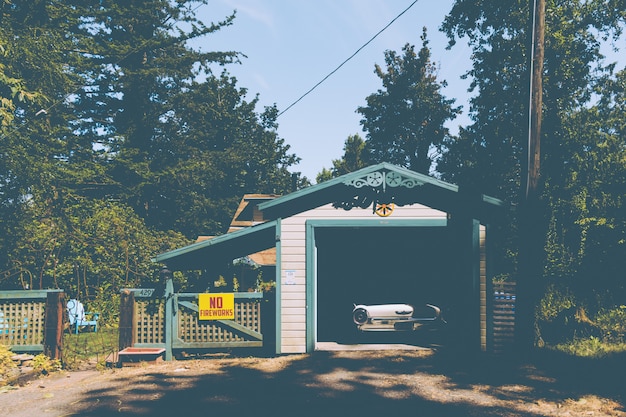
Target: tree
{"x": 90, "y": 248}
{"x": 488, "y": 156}
{"x": 135, "y": 67}
{"x": 352, "y": 159}
{"x": 221, "y": 149}
{"x": 127, "y": 131}
{"x": 405, "y": 121}
{"x": 180, "y": 143}
{"x": 35, "y": 143}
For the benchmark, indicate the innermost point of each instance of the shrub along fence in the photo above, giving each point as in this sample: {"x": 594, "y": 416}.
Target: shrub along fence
{"x": 32, "y": 321}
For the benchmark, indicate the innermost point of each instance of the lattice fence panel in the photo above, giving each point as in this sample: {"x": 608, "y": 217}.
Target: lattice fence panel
{"x": 149, "y": 322}
{"x": 22, "y": 322}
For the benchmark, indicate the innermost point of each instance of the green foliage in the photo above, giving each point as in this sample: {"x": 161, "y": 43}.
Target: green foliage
{"x": 217, "y": 149}
{"x": 555, "y": 301}
{"x": 44, "y": 365}
{"x": 106, "y": 302}
{"x": 91, "y": 249}
{"x": 6, "y": 363}
{"x": 139, "y": 142}
{"x": 591, "y": 347}
{"x": 405, "y": 121}
{"x": 612, "y": 322}
{"x": 582, "y": 144}
{"x": 324, "y": 175}
{"x": 353, "y": 159}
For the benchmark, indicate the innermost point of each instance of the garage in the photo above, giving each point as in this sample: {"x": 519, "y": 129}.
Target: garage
{"x": 382, "y": 234}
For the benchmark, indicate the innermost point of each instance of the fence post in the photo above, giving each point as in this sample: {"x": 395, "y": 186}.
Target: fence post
{"x": 53, "y": 335}
{"x": 127, "y": 312}
{"x": 170, "y": 311}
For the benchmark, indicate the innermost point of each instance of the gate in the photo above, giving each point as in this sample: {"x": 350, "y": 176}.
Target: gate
{"x": 171, "y": 321}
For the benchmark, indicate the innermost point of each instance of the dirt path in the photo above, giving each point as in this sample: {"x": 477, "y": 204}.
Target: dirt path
{"x": 361, "y": 383}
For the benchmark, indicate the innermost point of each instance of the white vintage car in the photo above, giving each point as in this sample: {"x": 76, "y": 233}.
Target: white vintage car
{"x": 392, "y": 317}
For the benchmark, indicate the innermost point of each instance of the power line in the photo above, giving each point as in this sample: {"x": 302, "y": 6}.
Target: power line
{"x": 348, "y": 59}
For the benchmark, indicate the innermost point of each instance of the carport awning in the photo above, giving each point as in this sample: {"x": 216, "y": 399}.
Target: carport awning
{"x": 221, "y": 249}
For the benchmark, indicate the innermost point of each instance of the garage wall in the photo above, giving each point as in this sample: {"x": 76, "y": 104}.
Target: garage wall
{"x": 293, "y": 337}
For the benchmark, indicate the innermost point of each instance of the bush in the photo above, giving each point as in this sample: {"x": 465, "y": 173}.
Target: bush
{"x": 6, "y": 363}
{"x": 43, "y": 365}
{"x": 612, "y": 323}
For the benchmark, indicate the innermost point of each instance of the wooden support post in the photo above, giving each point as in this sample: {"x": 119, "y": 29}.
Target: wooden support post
{"x": 53, "y": 335}
{"x": 127, "y": 312}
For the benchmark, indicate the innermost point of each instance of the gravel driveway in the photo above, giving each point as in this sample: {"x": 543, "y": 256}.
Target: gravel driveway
{"x": 334, "y": 383}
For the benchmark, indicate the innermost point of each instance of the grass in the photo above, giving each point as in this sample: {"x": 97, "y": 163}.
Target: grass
{"x": 89, "y": 346}
{"x": 592, "y": 348}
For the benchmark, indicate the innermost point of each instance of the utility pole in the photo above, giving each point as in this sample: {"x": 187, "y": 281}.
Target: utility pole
{"x": 531, "y": 230}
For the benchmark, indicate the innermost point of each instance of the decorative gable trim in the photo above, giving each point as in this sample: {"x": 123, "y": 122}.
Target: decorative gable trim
{"x": 378, "y": 179}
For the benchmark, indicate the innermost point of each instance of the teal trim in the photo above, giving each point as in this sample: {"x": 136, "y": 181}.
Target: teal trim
{"x": 149, "y": 292}
{"x": 431, "y": 222}
{"x": 422, "y": 188}
{"x": 27, "y": 348}
{"x": 493, "y": 201}
{"x": 15, "y": 294}
{"x": 311, "y": 258}
{"x": 213, "y": 242}
{"x": 278, "y": 278}
{"x": 170, "y": 311}
{"x": 311, "y": 286}
{"x": 228, "y": 246}
{"x": 268, "y": 205}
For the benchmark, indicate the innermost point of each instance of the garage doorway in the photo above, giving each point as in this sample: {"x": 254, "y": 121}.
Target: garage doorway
{"x": 377, "y": 265}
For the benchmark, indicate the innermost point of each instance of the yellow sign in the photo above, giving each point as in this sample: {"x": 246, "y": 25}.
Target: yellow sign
{"x": 216, "y": 306}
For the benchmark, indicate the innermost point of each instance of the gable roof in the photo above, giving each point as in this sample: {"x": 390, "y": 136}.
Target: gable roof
{"x": 383, "y": 183}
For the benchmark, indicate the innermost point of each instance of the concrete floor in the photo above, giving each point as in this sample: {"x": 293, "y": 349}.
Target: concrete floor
{"x": 335, "y": 346}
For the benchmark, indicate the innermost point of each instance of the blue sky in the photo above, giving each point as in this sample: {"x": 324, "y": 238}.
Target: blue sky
{"x": 292, "y": 45}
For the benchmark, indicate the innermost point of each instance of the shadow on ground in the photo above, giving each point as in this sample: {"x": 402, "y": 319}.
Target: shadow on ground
{"x": 343, "y": 384}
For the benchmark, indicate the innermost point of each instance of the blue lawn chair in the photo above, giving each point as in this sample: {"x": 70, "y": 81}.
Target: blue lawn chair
{"x": 78, "y": 316}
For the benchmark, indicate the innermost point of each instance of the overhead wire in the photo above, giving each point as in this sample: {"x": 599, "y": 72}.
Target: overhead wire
{"x": 330, "y": 74}
{"x": 76, "y": 90}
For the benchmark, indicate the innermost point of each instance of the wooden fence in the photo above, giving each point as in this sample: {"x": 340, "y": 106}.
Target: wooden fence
{"x": 32, "y": 321}
{"x": 171, "y": 321}
{"x": 503, "y": 317}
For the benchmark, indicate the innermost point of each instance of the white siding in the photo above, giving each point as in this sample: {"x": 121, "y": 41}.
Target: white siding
{"x": 483, "y": 288}
{"x": 293, "y": 258}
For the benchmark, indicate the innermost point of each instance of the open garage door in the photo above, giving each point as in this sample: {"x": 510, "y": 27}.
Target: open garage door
{"x": 377, "y": 265}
